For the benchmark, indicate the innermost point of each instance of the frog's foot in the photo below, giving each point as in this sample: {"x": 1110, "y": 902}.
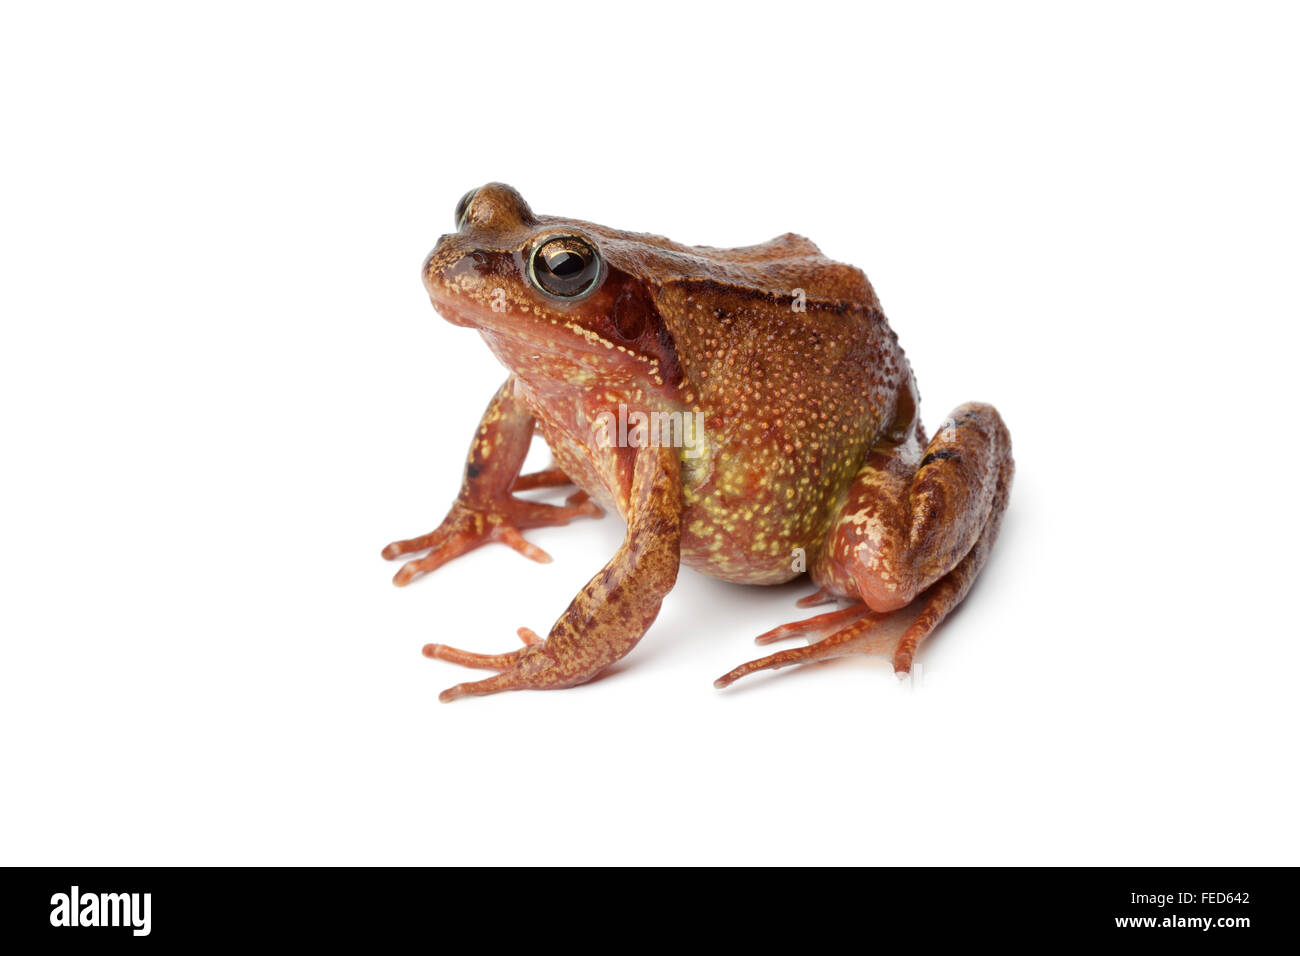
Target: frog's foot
{"x": 468, "y": 527}
{"x": 866, "y": 632}
{"x": 528, "y": 667}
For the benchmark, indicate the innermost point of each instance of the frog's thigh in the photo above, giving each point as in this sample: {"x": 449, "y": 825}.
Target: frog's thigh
{"x": 913, "y": 515}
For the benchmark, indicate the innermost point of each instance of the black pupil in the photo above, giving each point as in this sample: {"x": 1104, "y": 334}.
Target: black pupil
{"x": 565, "y": 266}
{"x": 565, "y": 263}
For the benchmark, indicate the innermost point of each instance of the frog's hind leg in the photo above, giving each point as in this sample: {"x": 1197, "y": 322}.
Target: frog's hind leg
{"x": 911, "y": 539}
{"x": 895, "y": 634}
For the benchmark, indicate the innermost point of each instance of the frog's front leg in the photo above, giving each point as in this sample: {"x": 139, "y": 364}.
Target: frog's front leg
{"x": 916, "y": 530}
{"x": 486, "y": 508}
{"x": 610, "y": 615}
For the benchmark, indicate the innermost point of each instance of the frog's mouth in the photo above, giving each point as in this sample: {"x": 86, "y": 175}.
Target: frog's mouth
{"x": 560, "y": 339}
{"x": 454, "y": 315}
{"x": 566, "y": 355}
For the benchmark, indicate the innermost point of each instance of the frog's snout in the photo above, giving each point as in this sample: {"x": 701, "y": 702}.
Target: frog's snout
{"x": 436, "y": 255}
{"x": 445, "y": 260}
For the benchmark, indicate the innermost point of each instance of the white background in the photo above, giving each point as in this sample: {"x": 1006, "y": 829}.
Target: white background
{"x": 224, "y": 391}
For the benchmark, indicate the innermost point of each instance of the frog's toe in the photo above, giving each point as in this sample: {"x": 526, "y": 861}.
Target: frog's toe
{"x": 454, "y": 655}
{"x": 512, "y": 537}
{"x": 820, "y": 596}
{"x": 539, "y": 514}
{"x": 820, "y": 625}
{"x": 445, "y": 548}
{"x": 395, "y": 549}
{"x": 491, "y": 662}
{"x": 546, "y": 478}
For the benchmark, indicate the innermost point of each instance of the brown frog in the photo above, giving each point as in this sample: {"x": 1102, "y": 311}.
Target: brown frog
{"x": 748, "y": 412}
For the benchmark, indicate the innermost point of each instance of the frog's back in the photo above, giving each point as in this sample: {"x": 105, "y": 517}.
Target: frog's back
{"x": 797, "y": 372}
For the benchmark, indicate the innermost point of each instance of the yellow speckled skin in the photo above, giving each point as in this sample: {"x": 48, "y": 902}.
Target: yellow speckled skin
{"x": 811, "y": 445}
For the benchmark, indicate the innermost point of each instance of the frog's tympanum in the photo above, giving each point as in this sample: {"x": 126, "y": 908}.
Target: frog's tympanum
{"x": 748, "y": 412}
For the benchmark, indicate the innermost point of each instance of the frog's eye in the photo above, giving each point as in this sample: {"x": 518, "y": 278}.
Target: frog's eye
{"x": 462, "y": 208}
{"x": 565, "y": 266}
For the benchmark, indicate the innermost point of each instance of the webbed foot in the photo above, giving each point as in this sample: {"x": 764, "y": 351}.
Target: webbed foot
{"x": 469, "y": 526}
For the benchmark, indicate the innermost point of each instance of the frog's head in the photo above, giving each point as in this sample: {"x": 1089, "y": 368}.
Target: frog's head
{"x": 556, "y": 299}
